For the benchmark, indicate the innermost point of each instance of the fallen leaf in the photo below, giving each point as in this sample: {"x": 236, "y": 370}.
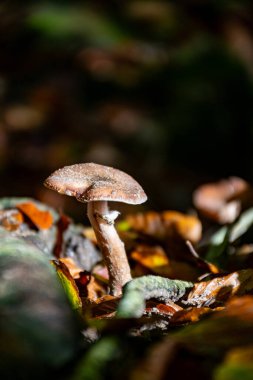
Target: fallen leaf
{"x": 231, "y": 327}
{"x": 204, "y": 264}
{"x": 104, "y": 307}
{"x": 36, "y": 323}
{"x": 166, "y": 225}
{"x": 163, "y": 310}
{"x": 74, "y": 270}
{"x": 153, "y": 258}
{"x": 191, "y": 315}
{"x": 138, "y": 290}
{"x": 42, "y": 219}
{"x": 242, "y": 225}
{"x": 68, "y": 284}
{"x": 221, "y": 201}
{"x": 96, "y": 289}
{"x": 220, "y": 289}
{"x": 199, "y": 346}
{"x": 217, "y": 245}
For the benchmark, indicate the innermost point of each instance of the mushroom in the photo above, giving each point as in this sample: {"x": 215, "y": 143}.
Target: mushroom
{"x": 96, "y": 184}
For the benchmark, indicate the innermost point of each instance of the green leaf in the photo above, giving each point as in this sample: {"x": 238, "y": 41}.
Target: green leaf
{"x": 95, "y": 362}
{"x": 68, "y": 284}
{"x": 61, "y": 22}
{"x": 138, "y": 290}
{"x": 242, "y": 225}
{"x": 217, "y": 245}
{"x": 37, "y": 325}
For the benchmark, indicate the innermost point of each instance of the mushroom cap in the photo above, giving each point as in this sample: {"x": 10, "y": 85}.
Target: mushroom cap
{"x": 93, "y": 182}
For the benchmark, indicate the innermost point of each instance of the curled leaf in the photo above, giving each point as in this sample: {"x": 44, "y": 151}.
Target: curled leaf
{"x": 167, "y": 225}
{"x": 220, "y": 289}
{"x": 191, "y": 315}
{"x": 42, "y": 219}
{"x": 242, "y": 225}
{"x": 138, "y": 290}
{"x": 221, "y": 201}
{"x": 68, "y": 284}
{"x": 231, "y": 327}
{"x": 37, "y": 326}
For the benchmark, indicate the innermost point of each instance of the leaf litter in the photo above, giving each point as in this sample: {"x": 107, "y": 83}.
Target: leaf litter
{"x": 191, "y": 293}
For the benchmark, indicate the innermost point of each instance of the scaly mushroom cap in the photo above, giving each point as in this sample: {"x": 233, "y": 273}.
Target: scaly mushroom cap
{"x": 94, "y": 182}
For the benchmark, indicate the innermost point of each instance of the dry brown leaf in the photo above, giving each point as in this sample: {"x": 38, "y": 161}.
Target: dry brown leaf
{"x": 95, "y": 289}
{"x": 159, "y": 308}
{"x": 231, "y": 327}
{"x": 41, "y": 219}
{"x": 104, "y": 307}
{"x": 167, "y": 225}
{"x": 201, "y": 263}
{"x": 152, "y": 257}
{"x": 222, "y": 201}
{"x": 191, "y": 315}
{"x": 221, "y": 289}
{"x": 185, "y": 350}
{"x": 74, "y": 270}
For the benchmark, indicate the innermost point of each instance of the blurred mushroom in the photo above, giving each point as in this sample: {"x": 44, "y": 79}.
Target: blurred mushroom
{"x": 97, "y": 184}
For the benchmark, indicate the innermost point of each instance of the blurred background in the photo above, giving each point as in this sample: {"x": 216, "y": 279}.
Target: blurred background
{"x": 160, "y": 89}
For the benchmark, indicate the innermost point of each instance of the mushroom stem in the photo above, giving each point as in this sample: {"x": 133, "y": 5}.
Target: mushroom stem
{"x": 112, "y": 247}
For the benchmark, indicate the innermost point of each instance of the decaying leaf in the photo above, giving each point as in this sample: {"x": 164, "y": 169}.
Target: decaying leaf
{"x": 96, "y": 289}
{"x": 163, "y": 310}
{"x": 221, "y": 201}
{"x": 191, "y": 315}
{"x": 166, "y": 225}
{"x": 207, "y": 266}
{"x": 219, "y": 289}
{"x": 138, "y": 290}
{"x": 42, "y": 219}
{"x": 104, "y": 307}
{"x": 74, "y": 270}
{"x": 231, "y": 327}
{"x": 200, "y": 346}
{"x": 152, "y": 257}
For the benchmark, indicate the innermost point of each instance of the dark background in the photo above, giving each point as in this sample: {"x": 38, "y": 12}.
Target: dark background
{"x": 160, "y": 89}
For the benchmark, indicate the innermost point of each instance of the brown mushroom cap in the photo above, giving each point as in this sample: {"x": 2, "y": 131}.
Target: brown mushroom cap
{"x": 93, "y": 182}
